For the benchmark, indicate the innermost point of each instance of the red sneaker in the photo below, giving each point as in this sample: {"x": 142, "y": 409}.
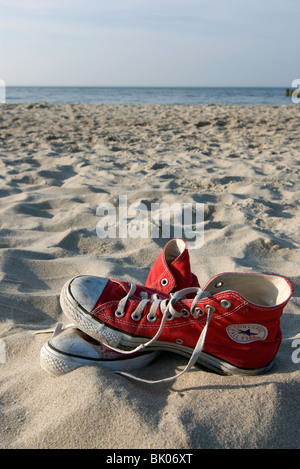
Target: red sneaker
{"x": 231, "y": 326}
{"x": 70, "y": 348}
{"x": 172, "y": 270}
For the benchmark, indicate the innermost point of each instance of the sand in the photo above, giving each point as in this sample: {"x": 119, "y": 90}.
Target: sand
{"x": 58, "y": 163}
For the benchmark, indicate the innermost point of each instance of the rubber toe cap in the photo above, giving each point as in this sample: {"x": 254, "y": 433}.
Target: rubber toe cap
{"x": 86, "y": 290}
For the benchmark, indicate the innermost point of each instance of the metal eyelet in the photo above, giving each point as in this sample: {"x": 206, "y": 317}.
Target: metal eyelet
{"x": 164, "y": 282}
{"x": 185, "y": 313}
{"x": 198, "y": 312}
{"x": 119, "y": 314}
{"x": 155, "y": 296}
{"x": 136, "y": 317}
{"x": 179, "y": 341}
{"x": 210, "y": 308}
{"x": 151, "y": 318}
{"x": 225, "y": 304}
{"x": 170, "y": 317}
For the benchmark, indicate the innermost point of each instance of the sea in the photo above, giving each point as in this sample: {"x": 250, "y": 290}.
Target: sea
{"x": 147, "y": 95}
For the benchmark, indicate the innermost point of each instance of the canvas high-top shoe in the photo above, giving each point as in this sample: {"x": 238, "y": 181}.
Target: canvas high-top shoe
{"x": 172, "y": 270}
{"x": 231, "y": 326}
{"x": 69, "y": 348}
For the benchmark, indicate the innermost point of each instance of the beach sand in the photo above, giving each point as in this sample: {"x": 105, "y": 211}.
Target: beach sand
{"x": 58, "y": 163}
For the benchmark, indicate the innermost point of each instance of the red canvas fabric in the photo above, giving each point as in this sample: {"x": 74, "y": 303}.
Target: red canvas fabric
{"x": 174, "y": 276}
{"x": 244, "y": 334}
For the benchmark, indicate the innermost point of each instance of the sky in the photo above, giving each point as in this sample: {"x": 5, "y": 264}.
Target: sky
{"x": 149, "y": 42}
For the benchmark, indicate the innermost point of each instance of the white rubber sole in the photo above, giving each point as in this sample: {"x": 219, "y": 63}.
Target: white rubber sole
{"x": 57, "y": 363}
{"x": 115, "y": 338}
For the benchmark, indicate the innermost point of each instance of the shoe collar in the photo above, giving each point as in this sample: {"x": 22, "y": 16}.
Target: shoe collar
{"x": 258, "y": 289}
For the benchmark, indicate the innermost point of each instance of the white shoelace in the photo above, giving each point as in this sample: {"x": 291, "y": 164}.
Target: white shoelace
{"x": 54, "y": 330}
{"x": 167, "y": 309}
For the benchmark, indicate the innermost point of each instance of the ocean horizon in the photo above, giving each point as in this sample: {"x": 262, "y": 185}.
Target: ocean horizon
{"x": 275, "y": 96}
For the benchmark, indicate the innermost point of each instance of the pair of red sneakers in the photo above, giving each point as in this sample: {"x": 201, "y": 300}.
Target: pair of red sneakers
{"x": 230, "y": 326}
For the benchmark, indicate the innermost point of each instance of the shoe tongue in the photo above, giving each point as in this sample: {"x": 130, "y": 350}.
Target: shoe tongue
{"x": 113, "y": 291}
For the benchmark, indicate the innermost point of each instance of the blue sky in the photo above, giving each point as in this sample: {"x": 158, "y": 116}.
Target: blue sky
{"x": 149, "y": 42}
